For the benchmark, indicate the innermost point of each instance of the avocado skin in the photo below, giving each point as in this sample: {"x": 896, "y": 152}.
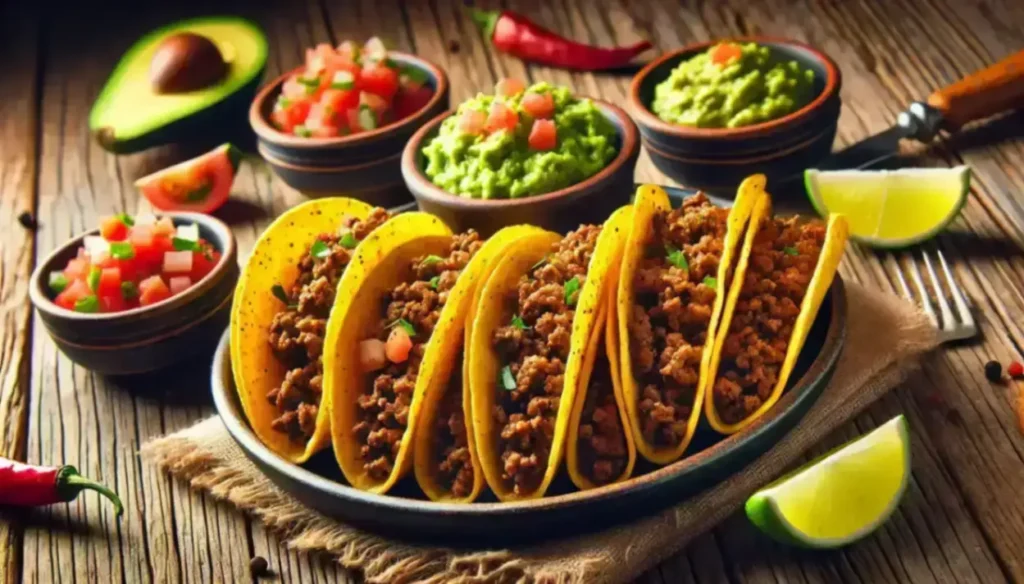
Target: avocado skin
{"x": 199, "y": 122}
{"x": 218, "y": 116}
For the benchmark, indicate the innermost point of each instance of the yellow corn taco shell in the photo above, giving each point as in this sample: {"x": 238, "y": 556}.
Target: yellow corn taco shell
{"x": 832, "y": 249}
{"x": 274, "y": 262}
{"x": 649, "y": 201}
{"x": 603, "y": 337}
{"x": 485, "y": 365}
{"x": 380, "y": 263}
{"x": 443, "y": 354}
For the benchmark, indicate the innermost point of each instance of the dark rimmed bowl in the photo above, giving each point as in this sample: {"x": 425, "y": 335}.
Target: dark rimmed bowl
{"x": 718, "y": 159}
{"x": 148, "y": 338}
{"x": 365, "y": 166}
{"x": 590, "y": 201}
{"x": 404, "y": 514}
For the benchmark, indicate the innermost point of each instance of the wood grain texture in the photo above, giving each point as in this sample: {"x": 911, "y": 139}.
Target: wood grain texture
{"x": 962, "y": 519}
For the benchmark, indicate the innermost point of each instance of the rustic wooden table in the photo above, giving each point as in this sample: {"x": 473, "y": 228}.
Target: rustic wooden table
{"x": 963, "y": 516}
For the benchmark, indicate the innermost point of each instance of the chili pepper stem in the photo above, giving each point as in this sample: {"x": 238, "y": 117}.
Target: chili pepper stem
{"x": 70, "y": 484}
{"x": 486, "y": 20}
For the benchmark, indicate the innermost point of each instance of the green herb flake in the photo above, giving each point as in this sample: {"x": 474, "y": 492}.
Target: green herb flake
{"x": 348, "y": 240}
{"x": 676, "y": 257}
{"x": 519, "y": 323}
{"x": 126, "y": 219}
{"x": 58, "y": 282}
{"x": 319, "y": 250}
{"x": 88, "y": 304}
{"x": 93, "y": 279}
{"x": 367, "y": 118}
{"x": 311, "y": 89}
{"x": 303, "y": 132}
{"x": 185, "y": 244}
{"x": 431, "y": 260}
{"x": 278, "y": 291}
{"x": 405, "y": 325}
{"x": 508, "y": 381}
{"x": 313, "y": 81}
{"x": 283, "y": 102}
{"x": 539, "y": 263}
{"x": 129, "y": 291}
{"x": 434, "y": 282}
{"x": 122, "y": 250}
{"x": 711, "y": 282}
{"x": 572, "y": 287}
{"x": 790, "y": 251}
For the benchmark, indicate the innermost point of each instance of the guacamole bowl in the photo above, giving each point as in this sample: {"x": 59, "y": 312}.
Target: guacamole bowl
{"x": 364, "y": 166}
{"x": 717, "y": 159}
{"x": 588, "y": 201}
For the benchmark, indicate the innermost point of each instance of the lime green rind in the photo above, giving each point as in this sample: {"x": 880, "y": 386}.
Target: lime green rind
{"x": 234, "y": 156}
{"x": 102, "y": 107}
{"x": 763, "y": 510}
{"x": 886, "y": 244}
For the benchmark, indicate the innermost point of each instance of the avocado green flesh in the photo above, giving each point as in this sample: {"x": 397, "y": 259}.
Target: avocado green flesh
{"x": 128, "y": 110}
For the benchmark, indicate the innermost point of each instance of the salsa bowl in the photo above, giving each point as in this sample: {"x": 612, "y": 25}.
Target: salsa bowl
{"x": 589, "y": 201}
{"x": 146, "y": 338}
{"x": 717, "y": 159}
{"x": 365, "y": 166}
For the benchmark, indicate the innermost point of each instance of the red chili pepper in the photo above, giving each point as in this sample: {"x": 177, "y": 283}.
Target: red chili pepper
{"x": 517, "y": 35}
{"x": 31, "y": 486}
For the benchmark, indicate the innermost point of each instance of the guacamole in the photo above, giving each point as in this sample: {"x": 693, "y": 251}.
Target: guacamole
{"x": 732, "y": 85}
{"x": 520, "y": 143}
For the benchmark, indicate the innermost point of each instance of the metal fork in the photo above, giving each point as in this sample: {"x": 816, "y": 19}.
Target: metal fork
{"x": 951, "y": 327}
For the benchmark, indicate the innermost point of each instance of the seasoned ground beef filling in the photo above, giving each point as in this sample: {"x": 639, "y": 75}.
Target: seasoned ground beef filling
{"x": 675, "y": 290}
{"x": 384, "y": 406}
{"x": 534, "y": 349}
{"x": 782, "y": 261}
{"x": 601, "y": 440}
{"x": 451, "y": 446}
{"x": 297, "y": 332}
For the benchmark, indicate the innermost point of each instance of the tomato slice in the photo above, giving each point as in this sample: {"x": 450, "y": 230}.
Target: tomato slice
{"x": 724, "y": 53}
{"x": 508, "y": 87}
{"x": 153, "y": 290}
{"x": 543, "y": 135}
{"x": 113, "y": 229}
{"x": 200, "y": 185}
{"x": 472, "y": 122}
{"x": 501, "y": 117}
{"x": 379, "y": 79}
{"x": 538, "y": 105}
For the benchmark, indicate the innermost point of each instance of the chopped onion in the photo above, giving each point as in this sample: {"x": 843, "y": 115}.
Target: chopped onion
{"x": 145, "y": 219}
{"x": 179, "y": 284}
{"x": 372, "y": 356}
{"x": 188, "y": 232}
{"x": 96, "y": 246}
{"x": 177, "y": 262}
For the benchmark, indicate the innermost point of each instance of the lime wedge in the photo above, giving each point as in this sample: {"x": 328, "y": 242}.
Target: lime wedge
{"x": 891, "y": 208}
{"x": 841, "y": 497}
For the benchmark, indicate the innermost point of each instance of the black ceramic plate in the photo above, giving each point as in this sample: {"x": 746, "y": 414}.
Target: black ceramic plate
{"x": 406, "y": 514}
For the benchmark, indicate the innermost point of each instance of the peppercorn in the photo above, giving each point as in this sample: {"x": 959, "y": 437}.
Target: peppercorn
{"x": 26, "y": 220}
{"x": 259, "y": 567}
{"x": 1015, "y": 369}
{"x": 993, "y": 371}
{"x": 453, "y": 46}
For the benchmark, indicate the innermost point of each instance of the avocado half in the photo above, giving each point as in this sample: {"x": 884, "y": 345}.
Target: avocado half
{"x": 130, "y": 115}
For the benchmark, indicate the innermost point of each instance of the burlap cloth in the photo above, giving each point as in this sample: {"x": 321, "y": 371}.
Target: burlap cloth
{"x": 884, "y": 338}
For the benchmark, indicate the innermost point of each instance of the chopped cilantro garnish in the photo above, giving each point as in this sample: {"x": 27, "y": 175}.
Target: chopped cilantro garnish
{"x": 93, "y": 279}
{"x": 88, "y": 304}
{"x": 121, "y": 250}
{"x": 404, "y": 324}
{"x": 278, "y": 291}
{"x": 431, "y": 260}
{"x": 319, "y": 250}
{"x": 367, "y": 118}
{"x": 126, "y": 219}
{"x": 58, "y": 282}
{"x": 508, "y": 381}
{"x": 303, "y": 131}
{"x": 790, "y": 251}
{"x": 283, "y": 101}
{"x": 185, "y": 244}
{"x": 539, "y": 263}
{"x": 571, "y": 288}
{"x": 348, "y": 240}
{"x": 518, "y": 322}
{"x": 129, "y": 290}
{"x": 711, "y": 282}
{"x": 434, "y": 281}
{"x": 676, "y": 257}
{"x": 313, "y": 81}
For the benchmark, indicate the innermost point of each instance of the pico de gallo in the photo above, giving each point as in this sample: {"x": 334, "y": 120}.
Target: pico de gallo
{"x": 132, "y": 262}
{"x": 348, "y": 90}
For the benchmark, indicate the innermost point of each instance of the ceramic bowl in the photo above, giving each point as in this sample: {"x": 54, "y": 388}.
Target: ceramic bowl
{"x": 364, "y": 166}
{"x": 147, "y": 338}
{"x": 590, "y": 201}
{"x": 718, "y": 159}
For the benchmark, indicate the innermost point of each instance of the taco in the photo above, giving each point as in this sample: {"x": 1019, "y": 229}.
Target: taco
{"x": 279, "y": 317}
{"x": 532, "y": 327}
{"x": 785, "y": 269}
{"x": 668, "y": 303}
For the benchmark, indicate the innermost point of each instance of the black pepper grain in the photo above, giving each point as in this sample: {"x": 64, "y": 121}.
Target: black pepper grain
{"x": 993, "y": 371}
{"x": 259, "y": 567}
{"x": 453, "y": 46}
{"x": 26, "y": 220}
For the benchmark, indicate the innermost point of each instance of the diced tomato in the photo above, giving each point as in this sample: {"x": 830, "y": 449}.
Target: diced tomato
{"x": 291, "y": 115}
{"x": 203, "y": 263}
{"x": 539, "y": 105}
{"x": 398, "y": 346}
{"x": 372, "y": 355}
{"x": 349, "y": 51}
{"x": 110, "y": 282}
{"x": 340, "y": 101}
{"x": 409, "y": 101}
{"x": 322, "y": 121}
{"x": 373, "y": 101}
{"x": 724, "y": 53}
{"x": 77, "y": 268}
{"x": 352, "y": 121}
{"x": 76, "y": 290}
{"x": 543, "y": 135}
{"x": 293, "y": 90}
{"x": 472, "y": 122}
{"x": 501, "y": 117}
{"x": 147, "y": 255}
{"x": 379, "y": 79}
{"x": 164, "y": 227}
{"x": 113, "y": 229}
{"x": 179, "y": 284}
{"x": 113, "y": 303}
{"x": 508, "y": 87}
{"x": 153, "y": 290}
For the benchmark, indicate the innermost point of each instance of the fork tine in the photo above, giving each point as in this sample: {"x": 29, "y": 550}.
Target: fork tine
{"x": 940, "y": 294}
{"x": 926, "y": 302}
{"x": 899, "y": 276}
{"x": 958, "y": 295}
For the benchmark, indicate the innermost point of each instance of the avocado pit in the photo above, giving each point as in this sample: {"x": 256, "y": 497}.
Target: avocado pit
{"x": 186, "y": 61}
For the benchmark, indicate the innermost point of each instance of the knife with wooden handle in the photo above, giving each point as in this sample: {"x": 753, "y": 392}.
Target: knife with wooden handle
{"x": 982, "y": 94}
